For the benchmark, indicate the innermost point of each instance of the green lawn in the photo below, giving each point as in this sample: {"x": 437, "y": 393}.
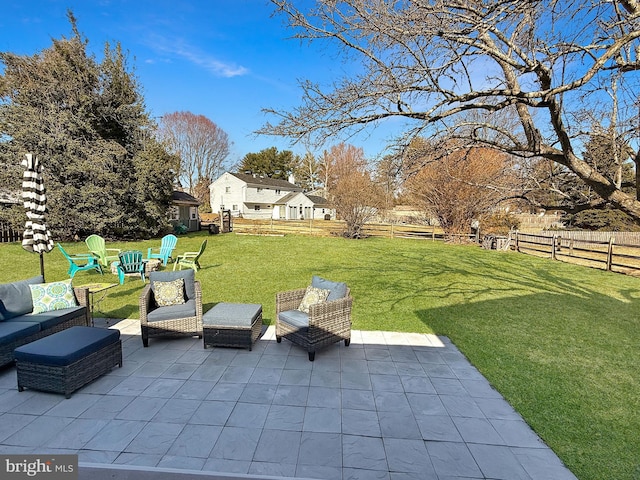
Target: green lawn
{"x": 559, "y": 341}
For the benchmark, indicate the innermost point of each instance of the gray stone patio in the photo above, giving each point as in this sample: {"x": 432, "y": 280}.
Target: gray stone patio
{"x": 390, "y": 406}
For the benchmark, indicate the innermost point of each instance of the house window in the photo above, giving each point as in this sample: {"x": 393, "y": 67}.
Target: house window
{"x": 256, "y": 208}
{"x": 176, "y": 213}
{"x": 277, "y": 192}
{"x": 193, "y": 213}
{"x": 235, "y": 207}
{"x": 227, "y": 190}
{"x": 259, "y": 190}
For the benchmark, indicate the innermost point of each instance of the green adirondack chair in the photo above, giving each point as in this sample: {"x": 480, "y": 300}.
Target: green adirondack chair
{"x": 167, "y": 246}
{"x": 190, "y": 259}
{"x": 130, "y": 262}
{"x": 80, "y": 262}
{"x": 96, "y": 245}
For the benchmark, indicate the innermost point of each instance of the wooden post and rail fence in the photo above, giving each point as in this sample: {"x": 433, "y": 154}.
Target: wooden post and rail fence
{"x": 612, "y": 251}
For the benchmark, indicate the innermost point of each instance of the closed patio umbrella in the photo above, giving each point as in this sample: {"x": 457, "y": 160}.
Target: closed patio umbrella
{"x": 37, "y": 237}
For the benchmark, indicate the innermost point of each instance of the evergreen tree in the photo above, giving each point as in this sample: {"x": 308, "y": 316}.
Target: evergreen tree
{"x": 87, "y": 122}
{"x": 269, "y": 162}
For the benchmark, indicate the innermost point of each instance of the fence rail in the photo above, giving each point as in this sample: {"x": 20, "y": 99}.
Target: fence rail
{"x": 8, "y": 234}
{"x": 607, "y": 253}
{"x": 333, "y": 228}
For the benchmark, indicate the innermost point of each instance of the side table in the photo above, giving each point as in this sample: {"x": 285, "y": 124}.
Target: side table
{"x": 94, "y": 288}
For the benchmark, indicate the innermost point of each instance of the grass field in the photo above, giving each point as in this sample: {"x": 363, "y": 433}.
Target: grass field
{"x": 559, "y": 341}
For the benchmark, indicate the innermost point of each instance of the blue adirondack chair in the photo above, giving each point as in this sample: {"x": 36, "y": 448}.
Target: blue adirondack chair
{"x": 167, "y": 246}
{"x": 130, "y": 262}
{"x": 80, "y": 262}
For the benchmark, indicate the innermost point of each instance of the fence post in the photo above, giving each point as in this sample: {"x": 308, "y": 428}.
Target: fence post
{"x": 553, "y": 247}
{"x": 610, "y": 252}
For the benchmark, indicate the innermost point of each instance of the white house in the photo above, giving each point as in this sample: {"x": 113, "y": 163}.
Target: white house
{"x": 255, "y": 196}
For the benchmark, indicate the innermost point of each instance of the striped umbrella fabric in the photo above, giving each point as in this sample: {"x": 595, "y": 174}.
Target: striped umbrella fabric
{"x": 37, "y": 237}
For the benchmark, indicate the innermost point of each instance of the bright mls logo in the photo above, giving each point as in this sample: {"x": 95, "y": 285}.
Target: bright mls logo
{"x": 58, "y": 467}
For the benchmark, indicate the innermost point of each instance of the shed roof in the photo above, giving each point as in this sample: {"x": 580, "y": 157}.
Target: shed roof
{"x": 183, "y": 198}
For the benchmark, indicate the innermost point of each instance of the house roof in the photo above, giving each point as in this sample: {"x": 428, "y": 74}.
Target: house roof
{"x": 262, "y": 181}
{"x": 183, "y": 198}
{"x": 286, "y": 198}
{"x": 316, "y": 200}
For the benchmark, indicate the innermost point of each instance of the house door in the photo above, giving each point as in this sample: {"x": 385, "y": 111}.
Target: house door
{"x": 282, "y": 213}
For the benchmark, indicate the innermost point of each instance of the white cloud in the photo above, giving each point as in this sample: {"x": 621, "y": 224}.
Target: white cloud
{"x": 181, "y": 49}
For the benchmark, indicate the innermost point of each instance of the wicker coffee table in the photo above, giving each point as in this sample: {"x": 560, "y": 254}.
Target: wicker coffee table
{"x": 232, "y": 325}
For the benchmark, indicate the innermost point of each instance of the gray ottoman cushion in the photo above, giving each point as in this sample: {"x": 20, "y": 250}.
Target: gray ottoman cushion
{"x": 232, "y": 314}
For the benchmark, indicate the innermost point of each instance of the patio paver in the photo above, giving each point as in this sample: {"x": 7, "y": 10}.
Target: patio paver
{"x": 390, "y": 406}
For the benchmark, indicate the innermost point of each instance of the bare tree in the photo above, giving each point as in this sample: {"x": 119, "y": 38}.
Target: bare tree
{"x": 356, "y": 198}
{"x": 307, "y": 172}
{"x": 433, "y": 61}
{"x": 459, "y": 185}
{"x": 202, "y": 146}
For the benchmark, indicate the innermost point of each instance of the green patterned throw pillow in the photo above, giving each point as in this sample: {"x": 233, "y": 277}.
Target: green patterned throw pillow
{"x": 312, "y": 296}
{"x": 47, "y": 297}
{"x": 169, "y": 293}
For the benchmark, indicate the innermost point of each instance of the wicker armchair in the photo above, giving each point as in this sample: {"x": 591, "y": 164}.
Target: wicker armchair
{"x": 173, "y": 320}
{"x": 325, "y": 324}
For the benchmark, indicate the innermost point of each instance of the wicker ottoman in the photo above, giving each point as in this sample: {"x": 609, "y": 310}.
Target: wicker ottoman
{"x": 67, "y": 360}
{"x": 232, "y": 325}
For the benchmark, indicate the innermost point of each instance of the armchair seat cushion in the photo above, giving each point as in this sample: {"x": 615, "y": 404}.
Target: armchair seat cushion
{"x": 172, "y": 312}
{"x": 295, "y": 318}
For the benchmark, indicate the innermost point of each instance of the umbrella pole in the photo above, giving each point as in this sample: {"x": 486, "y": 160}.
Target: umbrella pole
{"x": 42, "y": 265}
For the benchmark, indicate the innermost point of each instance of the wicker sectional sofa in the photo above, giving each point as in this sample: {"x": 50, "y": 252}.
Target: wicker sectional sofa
{"x": 19, "y": 326}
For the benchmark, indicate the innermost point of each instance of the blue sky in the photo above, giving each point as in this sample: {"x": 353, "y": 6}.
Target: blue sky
{"x": 225, "y": 59}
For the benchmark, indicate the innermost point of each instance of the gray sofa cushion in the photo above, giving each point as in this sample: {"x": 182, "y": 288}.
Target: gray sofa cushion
{"x": 337, "y": 290}
{"x": 67, "y": 346}
{"x": 15, "y": 297}
{"x": 173, "y": 312}
{"x": 295, "y": 318}
{"x": 10, "y": 331}
{"x": 168, "y": 276}
{"x": 50, "y": 319}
